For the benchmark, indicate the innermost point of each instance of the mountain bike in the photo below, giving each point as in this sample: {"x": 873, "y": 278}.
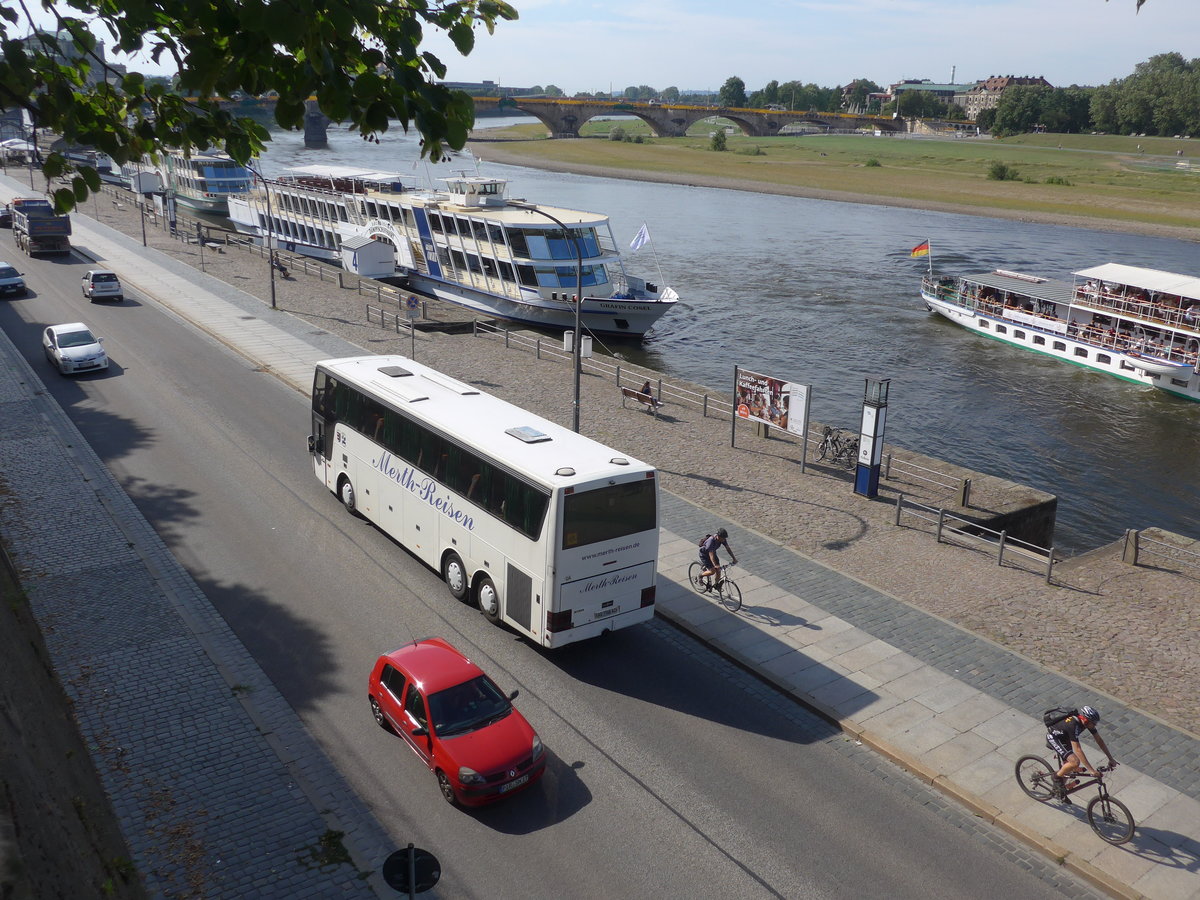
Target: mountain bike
{"x": 1109, "y": 817}
{"x": 725, "y": 590}
{"x": 838, "y": 447}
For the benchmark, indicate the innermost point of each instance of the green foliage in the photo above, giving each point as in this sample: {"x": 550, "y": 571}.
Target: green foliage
{"x": 717, "y": 141}
{"x": 639, "y": 139}
{"x": 616, "y": 133}
{"x": 872, "y": 163}
{"x": 732, "y": 93}
{"x": 752, "y": 150}
{"x": 999, "y": 171}
{"x": 362, "y": 63}
{"x": 1160, "y": 97}
{"x": 1057, "y": 179}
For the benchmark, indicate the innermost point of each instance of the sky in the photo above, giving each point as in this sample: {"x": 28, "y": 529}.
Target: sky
{"x": 602, "y": 45}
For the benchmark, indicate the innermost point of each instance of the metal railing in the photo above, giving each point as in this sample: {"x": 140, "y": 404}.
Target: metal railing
{"x": 1138, "y": 545}
{"x": 948, "y": 524}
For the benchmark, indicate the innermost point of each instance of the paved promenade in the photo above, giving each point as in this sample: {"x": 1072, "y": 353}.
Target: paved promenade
{"x": 843, "y": 609}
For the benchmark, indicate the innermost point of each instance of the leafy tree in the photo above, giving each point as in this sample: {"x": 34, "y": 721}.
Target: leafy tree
{"x": 630, "y": 93}
{"x": 859, "y": 90}
{"x": 985, "y": 119}
{"x": 669, "y": 95}
{"x": 717, "y": 141}
{"x": 553, "y": 90}
{"x": 732, "y": 93}
{"x": 362, "y": 62}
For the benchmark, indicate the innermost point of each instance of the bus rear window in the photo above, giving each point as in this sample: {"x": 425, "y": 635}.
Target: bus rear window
{"x": 608, "y": 513}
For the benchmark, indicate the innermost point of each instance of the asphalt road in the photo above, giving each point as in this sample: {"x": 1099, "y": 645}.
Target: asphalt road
{"x": 672, "y": 773}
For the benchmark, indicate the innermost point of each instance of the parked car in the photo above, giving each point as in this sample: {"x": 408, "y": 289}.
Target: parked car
{"x": 73, "y": 348}
{"x": 5, "y": 216}
{"x": 12, "y": 284}
{"x": 457, "y": 721}
{"x": 101, "y": 284}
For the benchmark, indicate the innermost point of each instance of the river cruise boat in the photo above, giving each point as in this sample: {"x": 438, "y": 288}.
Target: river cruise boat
{"x": 204, "y": 181}
{"x": 1141, "y": 325}
{"x": 467, "y": 243}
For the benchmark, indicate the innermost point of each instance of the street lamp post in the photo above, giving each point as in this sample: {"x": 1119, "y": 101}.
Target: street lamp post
{"x": 578, "y": 343}
{"x": 267, "y": 238}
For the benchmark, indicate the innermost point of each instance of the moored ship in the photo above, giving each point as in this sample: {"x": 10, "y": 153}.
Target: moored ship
{"x": 467, "y": 243}
{"x": 1142, "y": 325}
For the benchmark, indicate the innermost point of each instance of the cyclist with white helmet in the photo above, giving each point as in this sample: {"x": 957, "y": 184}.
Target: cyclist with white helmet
{"x": 1063, "y": 738}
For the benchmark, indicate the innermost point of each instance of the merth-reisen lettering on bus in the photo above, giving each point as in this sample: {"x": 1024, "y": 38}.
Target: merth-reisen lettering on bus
{"x": 425, "y": 488}
{"x": 609, "y": 581}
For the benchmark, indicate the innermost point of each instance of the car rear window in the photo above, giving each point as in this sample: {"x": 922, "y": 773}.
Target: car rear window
{"x": 103, "y": 276}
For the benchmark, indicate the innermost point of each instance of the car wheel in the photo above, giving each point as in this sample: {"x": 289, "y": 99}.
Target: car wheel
{"x": 489, "y": 600}
{"x": 455, "y": 575}
{"x": 346, "y": 495}
{"x": 446, "y": 788}
{"x": 380, "y": 718}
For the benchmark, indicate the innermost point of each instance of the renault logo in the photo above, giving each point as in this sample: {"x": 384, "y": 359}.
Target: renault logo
{"x": 512, "y": 773}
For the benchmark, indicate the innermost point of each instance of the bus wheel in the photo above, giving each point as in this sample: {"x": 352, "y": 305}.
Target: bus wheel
{"x": 489, "y": 600}
{"x": 455, "y": 576}
{"x": 346, "y": 495}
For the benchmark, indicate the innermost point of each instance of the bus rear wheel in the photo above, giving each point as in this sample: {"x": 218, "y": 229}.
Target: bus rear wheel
{"x": 489, "y": 600}
{"x": 454, "y": 573}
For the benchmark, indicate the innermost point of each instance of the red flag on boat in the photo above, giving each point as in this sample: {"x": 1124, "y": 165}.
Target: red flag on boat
{"x": 920, "y": 250}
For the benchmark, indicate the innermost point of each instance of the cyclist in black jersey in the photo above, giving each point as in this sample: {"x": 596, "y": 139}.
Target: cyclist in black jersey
{"x": 1063, "y": 738}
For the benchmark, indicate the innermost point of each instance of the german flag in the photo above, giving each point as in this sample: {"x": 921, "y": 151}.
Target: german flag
{"x": 920, "y": 250}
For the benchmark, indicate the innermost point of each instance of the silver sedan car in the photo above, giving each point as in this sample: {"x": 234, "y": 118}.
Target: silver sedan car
{"x": 73, "y": 348}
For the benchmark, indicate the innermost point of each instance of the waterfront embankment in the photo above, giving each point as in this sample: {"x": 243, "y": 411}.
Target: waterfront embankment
{"x": 1139, "y": 622}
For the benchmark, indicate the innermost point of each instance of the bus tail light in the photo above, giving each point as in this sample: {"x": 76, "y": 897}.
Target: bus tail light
{"x": 558, "y": 621}
{"x": 648, "y": 596}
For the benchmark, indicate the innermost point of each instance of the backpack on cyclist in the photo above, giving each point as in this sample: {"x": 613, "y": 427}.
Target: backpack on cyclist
{"x": 703, "y": 539}
{"x": 1052, "y": 717}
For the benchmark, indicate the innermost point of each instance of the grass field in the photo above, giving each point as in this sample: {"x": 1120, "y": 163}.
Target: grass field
{"x": 1094, "y": 176}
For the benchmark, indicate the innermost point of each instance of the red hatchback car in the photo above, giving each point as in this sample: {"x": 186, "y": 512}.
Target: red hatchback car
{"x": 457, "y": 721}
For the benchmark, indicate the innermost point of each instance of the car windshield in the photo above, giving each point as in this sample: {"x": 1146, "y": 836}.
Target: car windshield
{"x": 103, "y": 277}
{"x": 8, "y": 272}
{"x": 76, "y": 338}
{"x": 467, "y": 707}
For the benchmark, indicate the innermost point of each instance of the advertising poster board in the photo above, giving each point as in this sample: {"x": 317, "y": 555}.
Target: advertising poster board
{"x": 772, "y": 401}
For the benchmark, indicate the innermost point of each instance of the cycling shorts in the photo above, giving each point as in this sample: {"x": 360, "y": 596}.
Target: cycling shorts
{"x": 1060, "y": 743}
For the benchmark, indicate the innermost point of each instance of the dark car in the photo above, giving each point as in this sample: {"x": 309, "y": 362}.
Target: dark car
{"x": 457, "y": 721}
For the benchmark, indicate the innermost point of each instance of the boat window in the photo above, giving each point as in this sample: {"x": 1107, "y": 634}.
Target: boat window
{"x": 1079, "y": 351}
{"x": 506, "y": 272}
{"x": 1000, "y": 329}
{"x": 516, "y": 240}
{"x": 435, "y": 223}
{"x": 526, "y": 276}
{"x": 1103, "y": 358}
{"x": 984, "y": 323}
{"x": 1177, "y": 382}
{"x": 480, "y": 229}
{"x": 1059, "y": 345}
{"x": 1039, "y": 340}
{"x": 1019, "y": 334}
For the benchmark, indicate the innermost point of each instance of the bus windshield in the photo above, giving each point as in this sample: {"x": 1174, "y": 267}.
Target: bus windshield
{"x": 608, "y": 513}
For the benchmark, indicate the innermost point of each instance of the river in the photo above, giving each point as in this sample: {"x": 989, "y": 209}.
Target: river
{"x": 825, "y": 293}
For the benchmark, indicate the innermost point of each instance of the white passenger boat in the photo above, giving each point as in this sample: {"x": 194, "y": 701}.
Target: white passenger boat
{"x": 204, "y": 181}
{"x": 1141, "y": 325}
{"x": 468, "y": 244}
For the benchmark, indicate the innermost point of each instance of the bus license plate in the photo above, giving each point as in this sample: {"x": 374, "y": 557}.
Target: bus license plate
{"x": 515, "y": 783}
{"x": 605, "y": 613}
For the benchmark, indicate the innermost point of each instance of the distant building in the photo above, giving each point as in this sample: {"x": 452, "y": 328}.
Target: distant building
{"x": 61, "y": 48}
{"x": 944, "y": 92}
{"x": 986, "y": 94}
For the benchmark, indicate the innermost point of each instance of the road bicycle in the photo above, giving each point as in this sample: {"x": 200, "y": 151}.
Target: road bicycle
{"x": 1109, "y": 817}
{"x": 725, "y": 590}
{"x": 838, "y": 447}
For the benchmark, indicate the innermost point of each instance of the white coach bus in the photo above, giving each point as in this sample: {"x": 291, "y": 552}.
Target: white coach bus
{"x": 543, "y": 529}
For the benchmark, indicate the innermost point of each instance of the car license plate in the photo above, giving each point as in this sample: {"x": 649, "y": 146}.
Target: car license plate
{"x": 515, "y": 783}
{"x": 605, "y": 613}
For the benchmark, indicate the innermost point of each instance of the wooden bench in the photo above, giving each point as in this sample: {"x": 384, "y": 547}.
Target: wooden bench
{"x": 647, "y": 400}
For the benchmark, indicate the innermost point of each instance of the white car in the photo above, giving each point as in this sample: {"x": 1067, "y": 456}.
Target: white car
{"x": 73, "y": 348}
{"x": 101, "y": 284}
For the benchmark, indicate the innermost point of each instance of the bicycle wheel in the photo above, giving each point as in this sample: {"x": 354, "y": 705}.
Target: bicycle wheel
{"x": 1110, "y": 819}
{"x": 824, "y": 449}
{"x": 1036, "y": 778}
{"x": 694, "y": 571}
{"x": 731, "y": 596}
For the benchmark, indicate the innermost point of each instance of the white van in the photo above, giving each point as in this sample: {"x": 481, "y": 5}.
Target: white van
{"x": 101, "y": 284}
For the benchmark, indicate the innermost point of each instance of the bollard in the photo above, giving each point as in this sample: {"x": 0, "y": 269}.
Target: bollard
{"x": 340, "y": 285}
{"x": 618, "y": 376}
{"x": 1130, "y": 553}
{"x": 539, "y": 348}
{"x": 706, "y": 406}
{"x": 1050, "y": 568}
{"x": 887, "y": 466}
{"x": 964, "y": 493}
{"x": 1000, "y": 555}
{"x": 899, "y": 504}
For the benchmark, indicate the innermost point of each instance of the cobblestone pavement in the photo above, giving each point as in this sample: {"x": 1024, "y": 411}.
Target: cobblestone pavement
{"x": 947, "y": 703}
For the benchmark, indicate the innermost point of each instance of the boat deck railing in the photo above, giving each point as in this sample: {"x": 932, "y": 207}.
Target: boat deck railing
{"x": 1144, "y": 310}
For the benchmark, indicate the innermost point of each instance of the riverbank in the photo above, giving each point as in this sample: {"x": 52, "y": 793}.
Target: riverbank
{"x": 519, "y": 153}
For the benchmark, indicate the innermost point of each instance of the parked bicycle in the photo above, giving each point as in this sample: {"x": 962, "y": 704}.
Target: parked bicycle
{"x": 724, "y": 589}
{"x": 838, "y": 447}
{"x": 1109, "y": 817}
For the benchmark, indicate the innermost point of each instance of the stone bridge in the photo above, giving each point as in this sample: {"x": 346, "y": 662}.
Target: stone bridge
{"x": 564, "y": 117}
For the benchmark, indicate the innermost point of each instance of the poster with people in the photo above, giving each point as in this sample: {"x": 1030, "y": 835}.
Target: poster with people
{"x": 772, "y": 401}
